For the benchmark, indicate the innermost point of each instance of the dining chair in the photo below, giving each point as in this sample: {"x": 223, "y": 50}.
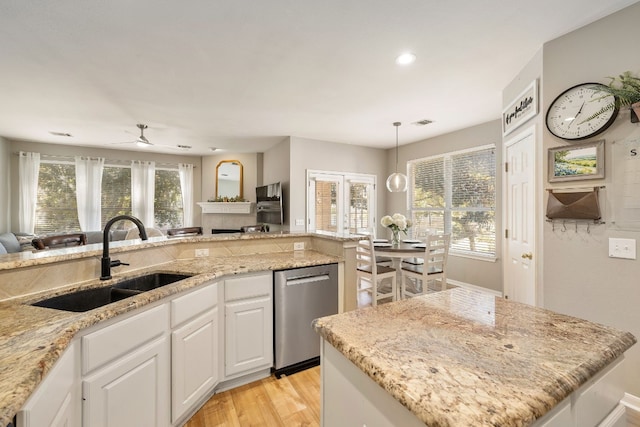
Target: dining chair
{"x": 184, "y": 231}
{"x": 434, "y": 266}
{"x": 133, "y": 233}
{"x": 369, "y": 270}
{"x": 59, "y": 241}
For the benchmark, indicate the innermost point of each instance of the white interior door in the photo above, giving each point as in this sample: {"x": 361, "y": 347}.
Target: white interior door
{"x": 519, "y": 250}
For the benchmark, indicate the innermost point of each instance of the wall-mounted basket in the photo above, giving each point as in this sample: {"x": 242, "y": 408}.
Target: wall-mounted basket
{"x": 583, "y": 205}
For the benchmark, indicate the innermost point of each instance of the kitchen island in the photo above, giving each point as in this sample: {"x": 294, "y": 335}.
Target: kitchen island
{"x": 466, "y": 358}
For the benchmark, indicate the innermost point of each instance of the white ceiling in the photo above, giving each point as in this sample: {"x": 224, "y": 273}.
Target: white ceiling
{"x": 242, "y": 75}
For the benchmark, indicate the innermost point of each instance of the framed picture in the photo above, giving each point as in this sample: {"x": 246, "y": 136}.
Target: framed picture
{"x": 577, "y": 162}
{"x": 521, "y": 109}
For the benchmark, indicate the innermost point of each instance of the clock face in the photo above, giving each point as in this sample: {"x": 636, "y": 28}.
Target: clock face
{"x": 572, "y": 115}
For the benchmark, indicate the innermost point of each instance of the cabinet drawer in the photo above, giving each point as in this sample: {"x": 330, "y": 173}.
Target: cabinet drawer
{"x": 193, "y": 304}
{"x": 248, "y": 287}
{"x": 121, "y": 338}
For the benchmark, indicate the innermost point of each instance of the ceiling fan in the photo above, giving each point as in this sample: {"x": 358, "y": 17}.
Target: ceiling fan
{"x": 142, "y": 140}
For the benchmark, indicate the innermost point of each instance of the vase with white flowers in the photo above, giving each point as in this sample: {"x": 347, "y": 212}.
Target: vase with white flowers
{"x": 397, "y": 223}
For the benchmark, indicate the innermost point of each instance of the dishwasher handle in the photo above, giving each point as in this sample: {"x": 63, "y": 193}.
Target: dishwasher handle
{"x": 307, "y": 279}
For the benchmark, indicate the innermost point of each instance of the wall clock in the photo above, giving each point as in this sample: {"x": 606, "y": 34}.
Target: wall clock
{"x": 577, "y": 113}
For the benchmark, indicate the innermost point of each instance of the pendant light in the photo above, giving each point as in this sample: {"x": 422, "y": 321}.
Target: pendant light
{"x": 397, "y": 182}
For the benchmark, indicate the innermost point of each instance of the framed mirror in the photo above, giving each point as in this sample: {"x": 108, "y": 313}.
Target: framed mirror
{"x": 229, "y": 180}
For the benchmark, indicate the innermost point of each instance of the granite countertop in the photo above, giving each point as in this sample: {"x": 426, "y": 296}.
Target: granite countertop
{"x": 462, "y": 357}
{"x": 33, "y": 338}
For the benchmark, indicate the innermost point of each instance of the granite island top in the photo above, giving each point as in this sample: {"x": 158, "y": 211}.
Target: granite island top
{"x": 33, "y": 338}
{"x": 462, "y": 357}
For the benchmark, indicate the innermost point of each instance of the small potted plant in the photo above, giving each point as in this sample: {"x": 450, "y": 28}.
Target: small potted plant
{"x": 626, "y": 91}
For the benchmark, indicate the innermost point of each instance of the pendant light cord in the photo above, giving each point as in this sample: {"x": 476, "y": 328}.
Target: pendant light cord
{"x": 397, "y": 124}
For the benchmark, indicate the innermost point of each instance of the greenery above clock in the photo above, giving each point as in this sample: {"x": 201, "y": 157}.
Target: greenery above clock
{"x": 626, "y": 91}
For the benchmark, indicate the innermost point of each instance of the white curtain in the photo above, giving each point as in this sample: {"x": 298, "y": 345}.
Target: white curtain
{"x": 89, "y": 192}
{"x": 185, "y": 171}
{"x": 28, "y": 171}
{"x": 143, "y": 190}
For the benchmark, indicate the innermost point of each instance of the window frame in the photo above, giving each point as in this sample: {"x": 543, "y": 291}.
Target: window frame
{"x": 111, "y": 164}
{"x": 448, "y": 209}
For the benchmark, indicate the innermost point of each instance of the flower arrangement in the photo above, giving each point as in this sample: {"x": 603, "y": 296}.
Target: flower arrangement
{"x": 397, "y": 223}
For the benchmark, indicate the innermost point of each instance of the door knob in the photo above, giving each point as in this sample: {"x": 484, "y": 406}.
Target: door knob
{"x": 528, "y": 255}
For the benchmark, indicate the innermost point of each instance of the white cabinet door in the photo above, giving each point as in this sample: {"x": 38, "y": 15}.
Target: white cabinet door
{"x": 56, "y": 402}
{"x": 194, "y": 362}
{"x": 131, "y": 391}
{"x": 248, "y": 335}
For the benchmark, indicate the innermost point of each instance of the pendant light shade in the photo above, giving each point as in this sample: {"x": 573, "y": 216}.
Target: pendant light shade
{"x": 397, "y": 182}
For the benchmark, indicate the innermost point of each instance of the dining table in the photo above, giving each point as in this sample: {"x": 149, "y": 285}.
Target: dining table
{"x": 406, "y": 249}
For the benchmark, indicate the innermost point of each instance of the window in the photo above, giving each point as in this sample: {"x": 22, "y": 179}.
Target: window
{"x": 456, "y": 193}
{"x": 168, "y": 199}
{"x": 116, "y": 193}
{"x": 56, "y": 210}
{"x": 57, "y": 207}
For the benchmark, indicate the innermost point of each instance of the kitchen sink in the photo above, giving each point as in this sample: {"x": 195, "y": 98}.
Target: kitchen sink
{"x": 89, "y": 299}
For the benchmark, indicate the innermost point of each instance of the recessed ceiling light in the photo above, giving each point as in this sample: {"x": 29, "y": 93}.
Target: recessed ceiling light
{"x": 406, "y": 59}
{"x": 212, "y": 148}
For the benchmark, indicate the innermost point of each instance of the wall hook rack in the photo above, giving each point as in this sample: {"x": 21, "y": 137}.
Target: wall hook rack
{"x": 576, "y": 223}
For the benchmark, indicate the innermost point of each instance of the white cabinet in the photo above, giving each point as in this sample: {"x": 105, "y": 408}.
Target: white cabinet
{"x": 56, "y": 402}
{"x": 194, "y": 349}
{"x": 248, "y": 323}
{"x": 127, "y": 378}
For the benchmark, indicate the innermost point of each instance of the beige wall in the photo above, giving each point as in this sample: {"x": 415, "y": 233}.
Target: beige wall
{"x": 578, "y": 277}
{"x": 250, "y": 168}
{"x": 276, "y": 168}
{"x": 5, "y": 183}
{"x": 487, "y": 274}
{"x": 67, "y": 150}
{"x": 328, "y": 156}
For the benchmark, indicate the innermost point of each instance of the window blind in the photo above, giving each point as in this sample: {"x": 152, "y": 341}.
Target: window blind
{"x": 455, "y": 193}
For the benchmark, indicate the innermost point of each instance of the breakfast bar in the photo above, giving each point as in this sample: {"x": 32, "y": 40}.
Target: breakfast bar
{"x": 467, "y": 358}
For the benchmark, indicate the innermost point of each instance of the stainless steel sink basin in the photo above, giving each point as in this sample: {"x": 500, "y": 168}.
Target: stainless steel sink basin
{"x": 93, "y": 298}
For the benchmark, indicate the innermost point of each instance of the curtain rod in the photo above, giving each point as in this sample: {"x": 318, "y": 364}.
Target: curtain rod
{"x": 71, "y": 159}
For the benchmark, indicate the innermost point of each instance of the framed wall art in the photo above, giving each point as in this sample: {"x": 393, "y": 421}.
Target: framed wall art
{"x": 521, "y": 109}
{"x": 577, "y": 162}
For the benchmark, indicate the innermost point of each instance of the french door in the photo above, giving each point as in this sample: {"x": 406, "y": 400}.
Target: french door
{"x": 340, "y": 203}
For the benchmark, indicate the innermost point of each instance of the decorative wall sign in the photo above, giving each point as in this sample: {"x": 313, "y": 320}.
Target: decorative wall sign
{"x": 577, "y": 162}
{"x": 524, "y": 107}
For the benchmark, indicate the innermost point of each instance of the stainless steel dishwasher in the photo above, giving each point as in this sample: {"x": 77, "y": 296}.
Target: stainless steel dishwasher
{"x": 301, "y": 295}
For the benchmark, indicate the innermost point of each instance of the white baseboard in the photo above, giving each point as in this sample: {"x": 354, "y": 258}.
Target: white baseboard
{"x": 632, "y": 404}
{"x": 474, "y": 287}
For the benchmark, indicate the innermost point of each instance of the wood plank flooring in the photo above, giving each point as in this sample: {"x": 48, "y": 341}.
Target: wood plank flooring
{"x": 290, "y": 401}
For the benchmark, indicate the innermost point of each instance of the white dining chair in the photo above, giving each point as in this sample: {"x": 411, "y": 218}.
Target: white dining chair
{"x": 434, "y": 267}
{"x": 367, "y": 269}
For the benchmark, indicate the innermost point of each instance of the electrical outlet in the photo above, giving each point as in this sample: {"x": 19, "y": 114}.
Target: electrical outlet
{"x": 202, "y": 252}
{"x": 622, "y": 248}
{"x": 298, "y": 246}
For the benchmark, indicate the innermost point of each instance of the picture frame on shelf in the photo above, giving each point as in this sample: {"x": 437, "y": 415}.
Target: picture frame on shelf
{"x": 577, "y": 162}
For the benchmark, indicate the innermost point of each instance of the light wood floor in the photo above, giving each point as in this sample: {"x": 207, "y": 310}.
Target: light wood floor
{"x": 290, "y": 401}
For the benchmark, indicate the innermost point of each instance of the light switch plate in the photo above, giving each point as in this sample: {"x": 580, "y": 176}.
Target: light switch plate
{"x": 299, "y": 221}
{"x": 622, "y": 248}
